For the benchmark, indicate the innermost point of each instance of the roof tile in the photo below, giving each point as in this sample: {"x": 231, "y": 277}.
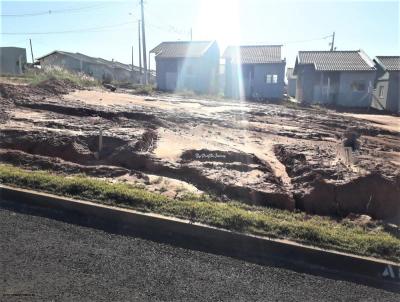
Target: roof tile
{"x": 391, "y": 63}
{"x": 355, "y": 60}
{"x": 181, "y": 49}
{"x": 254, "y": 54}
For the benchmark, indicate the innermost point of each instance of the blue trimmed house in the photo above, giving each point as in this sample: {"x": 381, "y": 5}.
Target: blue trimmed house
{"x": 340, "y": 78}
{"x": 187, "y": 65}
{"x": 254, "y": 72}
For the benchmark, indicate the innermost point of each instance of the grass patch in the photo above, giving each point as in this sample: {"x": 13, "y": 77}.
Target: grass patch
{"x": 144, "y": 90}
{"x": 315, "y": 230}
{"x": 36, "y": 76}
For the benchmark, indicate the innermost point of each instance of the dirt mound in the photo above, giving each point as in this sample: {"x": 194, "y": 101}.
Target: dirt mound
{"x": 46, "y": 88}
{"x": 78, "y": 149}
{"x": 237, "y": 175}
{"x": 55, "y": 86}
{"x": 20, "y": 92}
{"x": 336, "y": 190}
{"x": 47, "y": 144}
{"x": 38, "y": 162}
{"x": 304, "y": 164}
{"x": 373, "y": 195}
{"x": 148, "y": 120}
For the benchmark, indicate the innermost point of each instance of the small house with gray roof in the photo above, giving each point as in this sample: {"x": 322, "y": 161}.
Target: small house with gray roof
{"x": 96, "y": 67}
{"x": 187, "y": 65}
{"x": 387, "y": 86}
{"x": 254, "y": 72}
{"x": 12, "y": 60}
{"x": 342, "y": 78}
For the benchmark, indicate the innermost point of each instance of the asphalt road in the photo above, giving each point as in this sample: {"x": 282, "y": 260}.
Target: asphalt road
{"x": 48, "y": 260}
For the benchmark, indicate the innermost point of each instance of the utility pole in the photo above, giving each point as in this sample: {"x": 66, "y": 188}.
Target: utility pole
{"x": 333, "y": 42}
{"x": 132, "y": 58}
{"x": 140, "y": 54}
{"x": 144, "y": 45}
{"x": 33, "y": 60}
{"x": 133, "y": 71}
{"x": 149, "y": 65}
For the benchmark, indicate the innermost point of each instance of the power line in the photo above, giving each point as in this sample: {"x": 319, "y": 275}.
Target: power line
{"x": 308, "y": 40}
{"x": 56, "y": 11}
{"x": 90, "y": 29}
{"x": 168, "y": 27}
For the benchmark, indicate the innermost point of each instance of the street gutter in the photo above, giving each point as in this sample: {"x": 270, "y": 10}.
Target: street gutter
{"x": 266, "y": 251}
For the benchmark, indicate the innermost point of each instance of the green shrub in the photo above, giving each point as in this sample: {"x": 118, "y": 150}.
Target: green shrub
{"x": 145, "y": 89}
{"x": 36, "y": 76}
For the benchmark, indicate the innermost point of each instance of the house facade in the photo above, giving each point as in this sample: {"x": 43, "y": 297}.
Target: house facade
{"x": 187, "y": 65}
{"x": 256, "y": 71}
{"x": 12, "y": 60}
{"x": 340, "y": 78}
{"x": 98, "y": 68}
{"x": 387, "y": 86}
{"x": 291, "y": 83}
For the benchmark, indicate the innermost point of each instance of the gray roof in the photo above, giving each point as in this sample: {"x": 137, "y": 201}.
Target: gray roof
{"x": 12, "y": 47}
{"x": 351, "y": 60}
{"x": 182, "y": 49}
{"x": 254, "y": 54}
{"x": 85, "y": 58}
{"x": 391, "y": 63}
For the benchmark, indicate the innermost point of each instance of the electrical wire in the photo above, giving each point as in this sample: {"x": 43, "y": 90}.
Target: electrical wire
{"x": 56, "y": 11}
{"x": 309, "y": 40}
{"x": 90, "y": 29}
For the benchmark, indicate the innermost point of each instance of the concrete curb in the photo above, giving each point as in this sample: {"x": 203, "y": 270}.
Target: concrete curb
{"x": 371, "y": 271}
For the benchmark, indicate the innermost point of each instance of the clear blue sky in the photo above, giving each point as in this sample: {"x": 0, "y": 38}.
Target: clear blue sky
{"x": 369, "y": 25}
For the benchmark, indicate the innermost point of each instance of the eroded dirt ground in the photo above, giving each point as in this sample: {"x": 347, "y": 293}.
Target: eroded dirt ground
{"x": 264, "y": 154}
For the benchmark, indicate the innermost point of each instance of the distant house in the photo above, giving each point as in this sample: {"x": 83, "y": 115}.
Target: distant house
{"x": 254, "y": 72}
{"x": 387, "y": 86}
{"x": 343, "y": 78}
{"x": 12, "y": 60}
{"x": 96, "y": 67}
{"x": 186, "y": 65}
{"x": 291, "y": 82}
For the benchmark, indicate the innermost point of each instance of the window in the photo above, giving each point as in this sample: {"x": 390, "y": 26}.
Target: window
{"x": 381, "y": 90}
{"x": 271, "y": 78}
{"x": 358, "y": 86}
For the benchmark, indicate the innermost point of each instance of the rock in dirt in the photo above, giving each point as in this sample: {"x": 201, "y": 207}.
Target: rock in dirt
{"x": 351, "y": 138}
{"x": 109, "y": 87}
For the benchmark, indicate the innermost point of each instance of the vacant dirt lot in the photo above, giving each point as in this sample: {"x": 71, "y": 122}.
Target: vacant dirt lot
{"x": 272, "y": 155}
